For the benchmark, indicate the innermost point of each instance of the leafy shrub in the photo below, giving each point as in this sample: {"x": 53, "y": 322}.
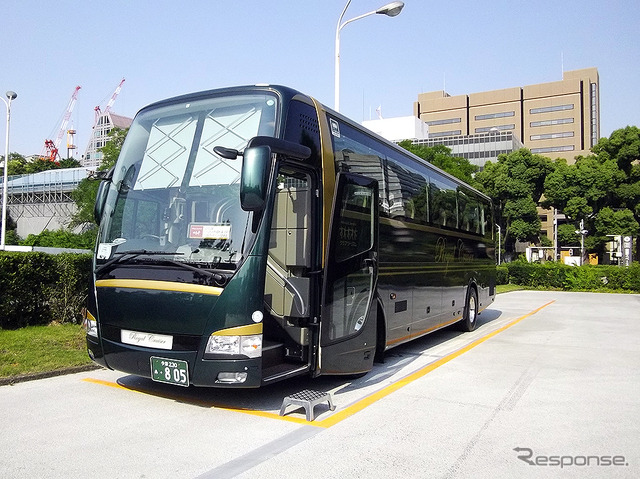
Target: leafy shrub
{"x": 62, "y": 239}
{"x": 573, "y": 278}
{"x": 38, "y": 288}
{"x": 535, "y": 275}
{"x": 502, "y": 274}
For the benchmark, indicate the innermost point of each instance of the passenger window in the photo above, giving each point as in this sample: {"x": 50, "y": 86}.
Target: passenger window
{"x": 443, "y": 203}
{"x": 356, "y": 228}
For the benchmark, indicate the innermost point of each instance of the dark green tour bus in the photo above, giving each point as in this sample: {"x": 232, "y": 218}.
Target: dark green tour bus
{"x": 251, "y": 234}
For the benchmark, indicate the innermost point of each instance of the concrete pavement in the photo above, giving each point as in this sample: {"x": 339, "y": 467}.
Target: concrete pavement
{"x": 548, "y": 385}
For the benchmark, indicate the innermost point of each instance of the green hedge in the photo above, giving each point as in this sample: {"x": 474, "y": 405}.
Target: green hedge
{"x": 38, "y": 288}
{"x": 571, "y": 278}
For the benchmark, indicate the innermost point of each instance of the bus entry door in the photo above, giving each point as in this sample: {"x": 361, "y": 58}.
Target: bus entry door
{"x": 348, "y": 321}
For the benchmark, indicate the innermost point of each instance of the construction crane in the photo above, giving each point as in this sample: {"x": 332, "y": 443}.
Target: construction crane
{"x": 99, "y": 113}
{"x": 107, "y": 108}
{"x": 50, "y": 151}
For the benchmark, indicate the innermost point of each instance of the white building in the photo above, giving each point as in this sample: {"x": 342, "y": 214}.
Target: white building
{"x": 100, "y": 136}
{"x": 399, "y": 128}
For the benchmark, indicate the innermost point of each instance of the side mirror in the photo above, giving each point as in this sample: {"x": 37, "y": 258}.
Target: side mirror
{"x": 101, "y": 196}
{"x": 254, "y": 177}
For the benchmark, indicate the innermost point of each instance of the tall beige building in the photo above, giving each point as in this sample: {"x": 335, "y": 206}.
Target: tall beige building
{"x": 559, "y": 119}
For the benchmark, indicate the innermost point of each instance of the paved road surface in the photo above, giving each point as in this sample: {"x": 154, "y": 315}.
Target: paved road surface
{"x": 547, "y": 386}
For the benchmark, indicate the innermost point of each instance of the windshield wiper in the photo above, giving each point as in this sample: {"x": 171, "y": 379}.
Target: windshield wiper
{"x": 218, "y": 278}
{"x": 127, "y": 256}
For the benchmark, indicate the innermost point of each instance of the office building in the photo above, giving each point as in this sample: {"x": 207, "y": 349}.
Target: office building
{"x": 558, "y": 119}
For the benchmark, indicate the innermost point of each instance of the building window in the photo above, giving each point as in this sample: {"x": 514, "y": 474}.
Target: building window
{"x": 561, "y": 121}
{"x": 445, "y": 133}
{"x": 443, "y": 122}
{"x": 548, "y": 109}
{"x": 551, "y": 149}
{"x": 549, "y": 136}
{"x": 486, "y": 129}
{"x": 490, "y": 116}
{"x": 594, "y": 114}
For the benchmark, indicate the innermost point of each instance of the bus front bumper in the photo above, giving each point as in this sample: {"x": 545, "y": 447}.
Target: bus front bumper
{"x": 230, "y": 373}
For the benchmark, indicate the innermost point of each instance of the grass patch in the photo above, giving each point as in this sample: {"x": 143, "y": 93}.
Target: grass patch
{"x": 37, "y": 349}
{"x": 506, "y": 288}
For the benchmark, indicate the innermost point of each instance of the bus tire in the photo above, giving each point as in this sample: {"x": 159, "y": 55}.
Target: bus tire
{"x": 470, "y": 314}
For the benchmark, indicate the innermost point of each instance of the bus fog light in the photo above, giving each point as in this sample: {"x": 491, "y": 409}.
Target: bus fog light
{"x": 232, "y": 378}
{"x": 251, "y": 346}
{"x": 223, "y": 344}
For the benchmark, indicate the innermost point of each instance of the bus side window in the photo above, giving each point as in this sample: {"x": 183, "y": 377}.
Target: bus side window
{"x": 443, "y": 203}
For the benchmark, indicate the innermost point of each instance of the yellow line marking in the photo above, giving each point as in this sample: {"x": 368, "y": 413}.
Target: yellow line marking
{"x": 105, "y": 383}
{"x": 367, "y": 401}
{"x": 358, "y": 405}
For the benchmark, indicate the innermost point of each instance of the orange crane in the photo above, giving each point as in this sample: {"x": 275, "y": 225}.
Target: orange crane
{"x": 50, "y": 151}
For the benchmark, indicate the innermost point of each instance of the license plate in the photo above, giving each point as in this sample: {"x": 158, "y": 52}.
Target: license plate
{"x": 171, "y": 371}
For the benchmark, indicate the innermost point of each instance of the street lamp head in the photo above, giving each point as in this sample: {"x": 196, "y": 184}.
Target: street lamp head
{"x": 391, "y": 9}
{"x": 11, "y": 95}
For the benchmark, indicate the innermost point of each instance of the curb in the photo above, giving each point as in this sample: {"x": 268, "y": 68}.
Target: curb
{"x": 47, "y": 374}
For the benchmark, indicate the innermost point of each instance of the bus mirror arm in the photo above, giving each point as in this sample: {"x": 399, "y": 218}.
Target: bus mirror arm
{"x": 226, "y": 153}
{"x": 282, "y": 147}
{"x": 278, "y": 146}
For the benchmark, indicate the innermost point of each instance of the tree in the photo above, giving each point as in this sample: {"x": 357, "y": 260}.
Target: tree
{"x": 567, "y": 235}
{"x": 612, "y": 222}
{"x": 623, "y": 146}
{"x": 603, "y": 189}
{"x": 17, "y": 164}
{"x": 515, "y": 184}
{"x": 85, "y": 194}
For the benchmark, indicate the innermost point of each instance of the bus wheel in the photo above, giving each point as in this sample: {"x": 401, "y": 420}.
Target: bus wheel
{"x": 470, "y": 315}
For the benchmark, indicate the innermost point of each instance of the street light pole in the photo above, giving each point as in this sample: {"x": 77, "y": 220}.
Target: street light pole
{"x": 499, "y": 243}
{"x": 391, "y": 10}
{"x": 11, "y": 95}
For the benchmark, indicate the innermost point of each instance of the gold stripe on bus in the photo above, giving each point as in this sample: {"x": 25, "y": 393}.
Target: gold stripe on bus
{"x": 428, "y": 270}
{"x": 158, "y": 286}
{"x": 416, "y": 334}
{"x": 328, "y": 174}
{"x": 240, "y": 330}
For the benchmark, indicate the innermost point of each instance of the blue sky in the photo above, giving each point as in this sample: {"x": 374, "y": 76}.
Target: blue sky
{"x": 166, "y": 48}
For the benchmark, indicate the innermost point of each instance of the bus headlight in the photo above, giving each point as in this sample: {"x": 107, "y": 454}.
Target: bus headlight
{"x": 250, "y": 345}
{"x": 90, "y": 325}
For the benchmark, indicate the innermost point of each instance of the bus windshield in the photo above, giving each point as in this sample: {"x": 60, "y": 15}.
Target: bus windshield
{"x": 172, "y": 193}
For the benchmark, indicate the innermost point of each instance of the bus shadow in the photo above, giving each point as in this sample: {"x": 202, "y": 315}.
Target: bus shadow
{"x": 425, "y": 350}
{"x": 399, "y": 362}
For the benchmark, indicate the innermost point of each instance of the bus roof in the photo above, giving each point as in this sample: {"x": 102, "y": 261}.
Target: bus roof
{"x": 287, "y": 93}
